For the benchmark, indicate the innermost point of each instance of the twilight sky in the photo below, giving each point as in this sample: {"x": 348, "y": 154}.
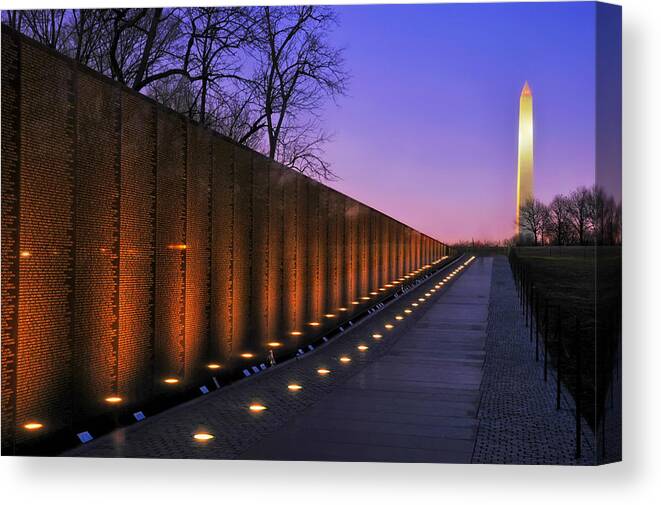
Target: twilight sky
{"x": 428, "y": 133}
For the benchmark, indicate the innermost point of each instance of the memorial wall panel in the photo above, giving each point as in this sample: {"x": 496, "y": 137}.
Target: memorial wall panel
{"x": 10, "y": 232}
{"x": 260, "y": 248}
{"x": 322, "y": 265}
{"x": 97, "y": 245}
{"x": 242, "y": 254}
{"x": 45, "y": 298}
{"x": 374, "y": 251}
{"x": 170, "y": 248}
{"x": 363, "y": 252}
{"x": 334, "y": 298}
{"x": 198, "y": 253}
{"x": 313, "y": 310}
{"x": 136, "y": 256}
{"x": 342, "y": 256}
{"x": 222, "y": 251}
{"x": 302, "y": 270}
{"x": 352, "y": 268}
{"x": 290, "y": 259}
{"x": 276, "y": 237}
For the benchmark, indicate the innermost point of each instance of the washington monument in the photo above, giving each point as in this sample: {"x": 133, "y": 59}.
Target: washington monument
{"x": 525, "y": 179}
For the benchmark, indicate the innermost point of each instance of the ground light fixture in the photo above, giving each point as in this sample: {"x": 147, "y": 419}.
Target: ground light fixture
{"x": 296, "y": 333}
{"x": 408, "y": 311}
{"x": 213, "y": 366}
{"x": 314, "y": 323}
{"x": 294, "y": 387}
{"x": 342, "y": 309}
{"x": 329, "y": 315}
{"x": 377, "y": 336}
{"x": 33, "y": 426}
{"x": 247, "y": 355}
{"x": 203, "y": 437}
{"x": 323, "y": 371}
{"x": 345, "y": 359}
{"x": 113, "y": 399}
{"x": 171, "y": 380}
{"x": 362, "y": 348}
{"x": 274, "y": 344}
{"x": 399, "y": 318}
{"x": 414, "y": 304}
{"x": 257, "y": 407}
{"x": 389, "y": 326}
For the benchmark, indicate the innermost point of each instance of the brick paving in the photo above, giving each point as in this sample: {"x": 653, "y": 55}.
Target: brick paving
{"x": 518, "y": 421}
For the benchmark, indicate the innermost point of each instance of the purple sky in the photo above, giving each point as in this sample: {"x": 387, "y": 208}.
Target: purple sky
{"x": 428, "y": 133}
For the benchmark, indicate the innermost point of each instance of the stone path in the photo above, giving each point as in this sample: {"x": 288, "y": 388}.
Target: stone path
{"x": 518, "y": 422}
{"x": 416, "y": 403}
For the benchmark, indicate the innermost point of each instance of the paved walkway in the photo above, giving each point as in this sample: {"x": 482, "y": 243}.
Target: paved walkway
{"x": 519, "y": 423}
{"x": 411, "y": 396}
{"x": 416, "y": 403}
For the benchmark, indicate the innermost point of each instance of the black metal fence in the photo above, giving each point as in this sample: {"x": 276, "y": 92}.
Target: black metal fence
{"x": 583, "y": 349}
{"x": 547, "y": 325}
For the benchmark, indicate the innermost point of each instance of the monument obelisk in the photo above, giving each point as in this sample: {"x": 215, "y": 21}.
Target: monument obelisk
{"x": 524, "y": 187}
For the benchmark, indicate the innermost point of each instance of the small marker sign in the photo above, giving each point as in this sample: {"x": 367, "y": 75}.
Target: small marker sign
{"x": 204, "y": 389}
{"x": 85, "y": 436}
{"x": 246, "y": 373}
{"x": 139, "y": 416}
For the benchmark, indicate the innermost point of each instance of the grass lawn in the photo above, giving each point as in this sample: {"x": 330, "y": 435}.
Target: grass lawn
{"x": 584, "y": 285}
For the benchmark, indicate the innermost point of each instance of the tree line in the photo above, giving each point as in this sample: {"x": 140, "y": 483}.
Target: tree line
{"x": 259, "y": 75}
{"x": 585, "y": 216}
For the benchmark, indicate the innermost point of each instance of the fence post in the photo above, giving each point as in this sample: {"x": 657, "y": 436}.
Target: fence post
{"x": 526, "y": 300}
{"x": 537, "y": 327}
{"x": 579, "y": 388}
{"x": 546, "y": 337}
{"x": 521, "y": 280}
{"x": 558, "y": 343}
{"x": 532, "y": 304}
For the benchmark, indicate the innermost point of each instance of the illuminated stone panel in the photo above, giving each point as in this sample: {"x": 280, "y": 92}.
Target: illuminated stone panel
{"x": 138, "y": 245}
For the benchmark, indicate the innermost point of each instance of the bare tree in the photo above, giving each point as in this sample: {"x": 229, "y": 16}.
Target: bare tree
{"x": 547, "y": 226}
{"x": 579, "y": 211}
{"x": 45, "y": 26}
{"x": 532, "y": 214}
{"x": 296, "y": 70}
{"x": 259, "y": 75}
{"x": 559, "y": 210}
